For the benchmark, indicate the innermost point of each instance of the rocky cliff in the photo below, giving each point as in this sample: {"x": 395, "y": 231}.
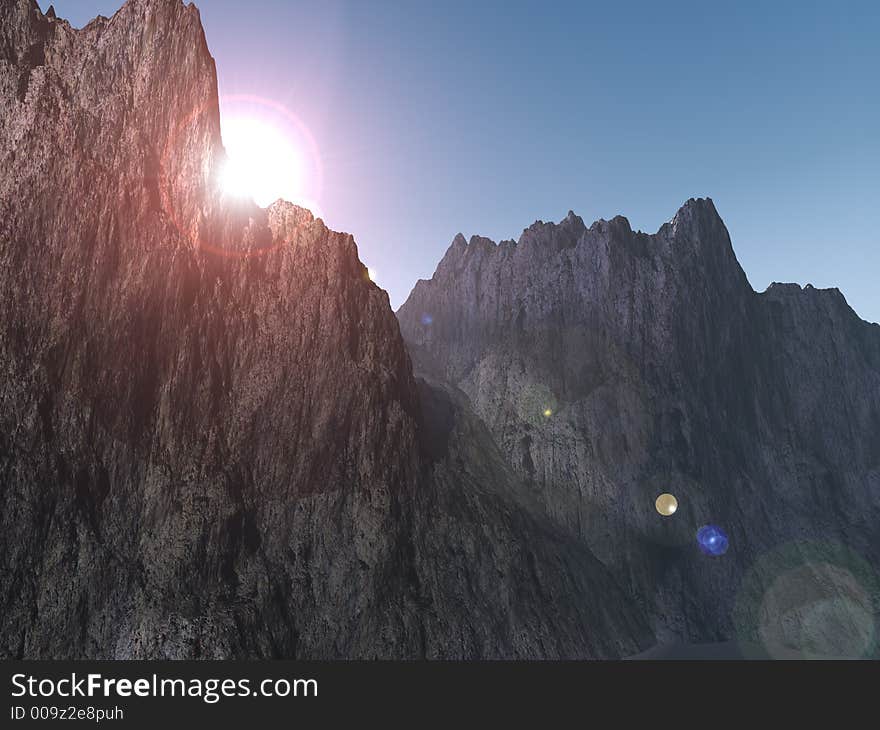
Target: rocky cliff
{"x": 211, "y": 440}
{"x": 610, "y": 366}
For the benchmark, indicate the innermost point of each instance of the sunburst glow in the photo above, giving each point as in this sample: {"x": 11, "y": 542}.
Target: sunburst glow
{"x": 263, "y": 164}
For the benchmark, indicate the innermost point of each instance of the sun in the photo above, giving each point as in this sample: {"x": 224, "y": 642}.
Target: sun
{"x": 262, "y": 163}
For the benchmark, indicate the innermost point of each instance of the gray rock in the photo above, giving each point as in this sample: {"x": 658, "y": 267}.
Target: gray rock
{"x": 661, "y": 370}
{"x": 211, "y": 440}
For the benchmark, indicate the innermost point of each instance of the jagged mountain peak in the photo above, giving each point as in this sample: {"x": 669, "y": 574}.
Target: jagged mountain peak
{"x": 178, "y": 343}
{"x": 629, "y": 364}
{"x": 829, "y": 299}
{"x": 696, "y": 210}
{"x": 212, "y": 443}
{"x": 170, "y": 9}
{"x": 694, "y": 248}
{"x": 697, "y": 223}
{"x": 573, "y": 217}
{"x": 793, "y": 288}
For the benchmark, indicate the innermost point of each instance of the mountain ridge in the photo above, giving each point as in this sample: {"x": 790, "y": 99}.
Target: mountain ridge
{"x": 217, "y": 440}
{"x": 461, "y": 243}
{"x": 620, "y": 365}
{"x": 212, "y": 444}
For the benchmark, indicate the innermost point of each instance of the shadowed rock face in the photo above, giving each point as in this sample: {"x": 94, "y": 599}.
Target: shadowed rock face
{"x": 610, "y": 366}
{"x": 211, "y": 440}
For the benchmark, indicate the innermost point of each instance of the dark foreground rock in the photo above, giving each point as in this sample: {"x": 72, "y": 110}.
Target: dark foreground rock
{"x": 211, "y": 440}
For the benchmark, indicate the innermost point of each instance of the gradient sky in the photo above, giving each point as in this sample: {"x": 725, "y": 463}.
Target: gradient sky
{"x": 438, "y": 117}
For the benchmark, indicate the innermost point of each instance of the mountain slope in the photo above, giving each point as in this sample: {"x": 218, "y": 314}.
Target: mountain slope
{"x": 611, "y": 366}
{"x": 211, "y": 440}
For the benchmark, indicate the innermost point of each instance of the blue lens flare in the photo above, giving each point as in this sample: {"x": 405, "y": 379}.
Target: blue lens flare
{"x": 712, "y": 540}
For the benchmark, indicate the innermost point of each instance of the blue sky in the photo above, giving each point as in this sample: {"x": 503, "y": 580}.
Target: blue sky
{"x": 438, "y": 117}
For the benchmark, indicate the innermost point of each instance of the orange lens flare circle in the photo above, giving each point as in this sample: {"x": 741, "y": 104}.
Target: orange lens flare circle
{"x": 195, "y": 237}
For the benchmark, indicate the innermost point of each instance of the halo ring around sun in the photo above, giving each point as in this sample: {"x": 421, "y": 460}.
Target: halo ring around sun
{"x": 165, "y": 185}
{"x": 303, "y": 131}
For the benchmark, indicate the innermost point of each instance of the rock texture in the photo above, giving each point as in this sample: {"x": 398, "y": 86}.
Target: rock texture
{"x": 211, "y": 440}
{"x": 610, "y": 366}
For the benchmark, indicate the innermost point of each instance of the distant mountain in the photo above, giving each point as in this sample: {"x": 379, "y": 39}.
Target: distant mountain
{"x": 610, "y": 366}
{"x": 211, "y": 440}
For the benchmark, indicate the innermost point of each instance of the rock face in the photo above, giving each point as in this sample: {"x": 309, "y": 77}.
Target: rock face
{"x": 610, "y": 366}
{"x": 211, "y": 440}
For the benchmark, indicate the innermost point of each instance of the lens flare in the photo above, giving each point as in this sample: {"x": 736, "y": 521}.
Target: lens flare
{"x": 535, "y": 403}
{"x": 262, "y": 163}
{"x": 666, "y": 504}
{"x": 712, "y": 540}
{"x": 809, "y": 600}
{"x": 271, "y": 154}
